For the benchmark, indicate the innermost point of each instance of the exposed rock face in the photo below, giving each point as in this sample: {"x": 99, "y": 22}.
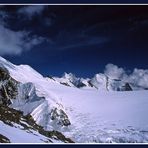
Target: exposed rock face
{"x": 8, "y": 87}
{"x": 63, "y": 83}
{"x": 107, "y": 83}
{"x": 60, "y": 116}
{"x": 90, "y": 84}
{"x": 11, "y": 117}
{"x": 80, "y": 84}
{"x": 126, "y": 87}
{"x": 4, "y": 139}
{"x": 15, "y": 94}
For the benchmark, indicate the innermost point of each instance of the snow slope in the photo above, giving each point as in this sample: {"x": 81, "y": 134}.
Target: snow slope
{"x": 95, "y": 116}
{"x": 104, "y": 116}
{"x": 40, "y": 101}
{"x": 17, "y": 128}
{"x": 17, "y": 135}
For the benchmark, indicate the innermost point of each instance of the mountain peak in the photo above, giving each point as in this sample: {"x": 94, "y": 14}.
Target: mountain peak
{"x": 68, "y": 76}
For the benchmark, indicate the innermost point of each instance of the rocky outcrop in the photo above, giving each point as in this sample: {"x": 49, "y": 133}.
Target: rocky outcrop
{"x": 4, "y": 139}
{"x": 126, "y": 87}
{"x": 60, "y": 117}
{"x": 11, "y": 117}
{"x": 8, "y": 87}
{"x": 66, "y": 84}
{"x": 22, "y": 96}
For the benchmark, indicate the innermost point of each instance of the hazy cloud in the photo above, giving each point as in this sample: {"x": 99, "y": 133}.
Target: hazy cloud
{"x": 32, "y": 10}
{"x": 114, "y": 71}
{"x": 15, "y": 42}
{"x": 139, "y": 77}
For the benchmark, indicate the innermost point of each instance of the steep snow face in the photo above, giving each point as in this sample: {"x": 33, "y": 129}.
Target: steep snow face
{"x": 34, "y": 95}
{"x": 73, "y": 81}
{"x": 67, "y": 79}
{"x": 71, "y": 77}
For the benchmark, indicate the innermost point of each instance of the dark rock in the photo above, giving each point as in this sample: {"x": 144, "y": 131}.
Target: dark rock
{"x": 4, "y": 139}
{"x": 80, "y": 84}
{"x": 89, "y": 82}
{"x": 60, "y": 116}
{"x": 10, "y": 116}
{"x": 8, "y": 87}
{"x": 50, "y": 77}
{"x": 63, "y": 83}
{"x": 127, "y": 87}
{"x": 4, "y": 74}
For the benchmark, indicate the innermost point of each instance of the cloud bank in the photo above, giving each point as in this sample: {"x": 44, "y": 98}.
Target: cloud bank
{"x": 114, "y": 71}
{"x": 138, "y": 77}
{"x": 14, "y": 42}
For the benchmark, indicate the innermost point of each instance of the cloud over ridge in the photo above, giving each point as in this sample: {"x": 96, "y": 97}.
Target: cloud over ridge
{"x": 138, "y": 76}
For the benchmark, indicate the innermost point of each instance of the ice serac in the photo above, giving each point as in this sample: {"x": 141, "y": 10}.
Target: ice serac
{"x": 24, "y": 89}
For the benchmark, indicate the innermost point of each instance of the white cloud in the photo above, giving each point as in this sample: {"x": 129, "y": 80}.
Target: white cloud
{"x": 114, "y": 71}
{"x": 15, "y": 42}
{"x": 32, "y": 10}
{"x": 139, "y": 77}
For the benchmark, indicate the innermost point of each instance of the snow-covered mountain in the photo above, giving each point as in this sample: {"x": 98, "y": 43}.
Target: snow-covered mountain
{"x": 99, "y": 81}
{"x": 22, "y": 88}
{"x": 71, "y": 80}
{"x": 100, "y": 109}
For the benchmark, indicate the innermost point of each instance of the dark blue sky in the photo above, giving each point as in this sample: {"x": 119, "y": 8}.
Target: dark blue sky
{"x": 77, "y": 39}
